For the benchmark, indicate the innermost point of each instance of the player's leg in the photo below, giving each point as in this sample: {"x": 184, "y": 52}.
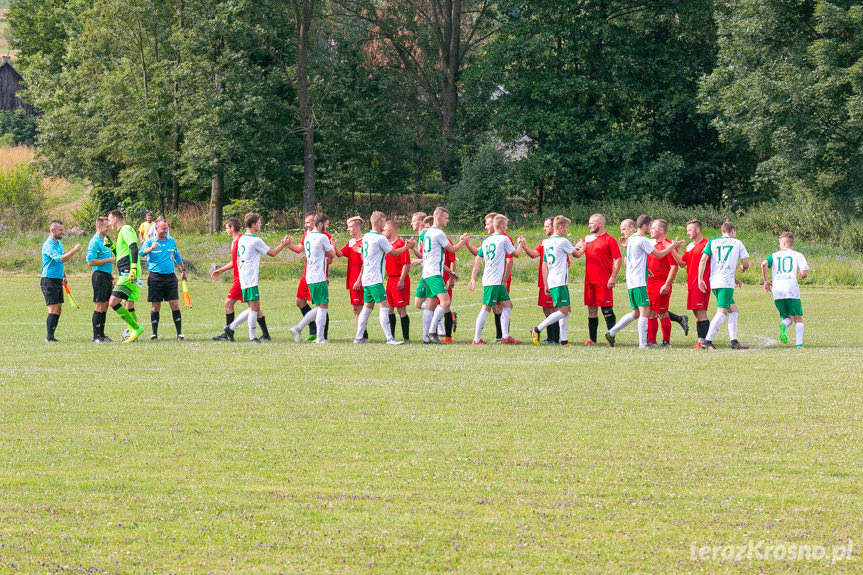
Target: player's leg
{"x": 702, "y": 324}
{"x": 320, "y": 297}
{"x": 637, "y": 299}
{"x": 229, "y": 310}
{"x": 481, "y": 317}
{"x": 303, "y": 299}
{"x": 405, "y": 321}
{"x": 681, "y": 320}
{"x": 724, "y": 301}
{"x": 732, "y": 327}
{"x": 652, "y": 325}
{"x": 798, "y": 328}
{"x": 564, "y": 325}
{"x": 52, "y": 290}
{"x": 498, "y": 328}
{"x": 560, "y": 298}
{"x": 252, "y": 318}
{"x": 439, "y": 310}
{"x": 122, "y": 291}
{"x": 592, "y": 313}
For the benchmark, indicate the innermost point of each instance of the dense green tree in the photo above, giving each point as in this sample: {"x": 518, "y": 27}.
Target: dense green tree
{"x": 789, "y": 83}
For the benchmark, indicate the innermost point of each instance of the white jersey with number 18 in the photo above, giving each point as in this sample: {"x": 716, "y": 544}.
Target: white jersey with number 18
{"x": 493, "y": 251}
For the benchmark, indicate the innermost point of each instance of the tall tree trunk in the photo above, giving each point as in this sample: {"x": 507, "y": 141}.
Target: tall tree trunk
{"x": 303, "y": 11}
{"x": 450, "y": 62}
{"x": 217, "y": 200}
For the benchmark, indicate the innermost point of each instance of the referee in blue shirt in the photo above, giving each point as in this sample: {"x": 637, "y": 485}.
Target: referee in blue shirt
{"x": 53, "y": 259}
{"x": 101, "y": 259}
{"x": 162, "y": 256}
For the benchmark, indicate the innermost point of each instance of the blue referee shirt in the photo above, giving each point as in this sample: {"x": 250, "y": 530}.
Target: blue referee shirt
{"x": 162, "y": 259}
{"x": 52, "y": 265}
{"x": 97, "y": 250}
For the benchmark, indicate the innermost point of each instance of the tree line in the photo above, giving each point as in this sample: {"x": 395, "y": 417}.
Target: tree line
{"x": 520, "y": 103}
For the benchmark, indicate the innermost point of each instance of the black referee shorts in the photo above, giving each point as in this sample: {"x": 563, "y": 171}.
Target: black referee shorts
{"x": 52, "y": 289}
{"x": 103, "y": 283}
{"x": 162, "y": 287}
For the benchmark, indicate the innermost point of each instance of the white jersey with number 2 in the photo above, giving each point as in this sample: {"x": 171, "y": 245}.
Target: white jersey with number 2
{"x": 249, "y": 250}
{"x": 555, "y": 250}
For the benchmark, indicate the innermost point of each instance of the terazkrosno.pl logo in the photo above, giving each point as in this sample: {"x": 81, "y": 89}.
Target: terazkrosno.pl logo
{"x": 773, "y": 551}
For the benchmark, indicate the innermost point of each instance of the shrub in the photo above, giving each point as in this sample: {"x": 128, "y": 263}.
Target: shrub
{"x": 804, "y": 213}
{"x": 17, "y": 127}
{"x": 22, "y": 197}
{"x": 85, "y": 216}
{"x": 484, "y": 186}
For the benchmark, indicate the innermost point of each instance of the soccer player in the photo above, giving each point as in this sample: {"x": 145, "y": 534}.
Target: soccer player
{"x": 447, "y": 326}
{"x": 659, "y": 286}
{"x": 249, "y": 250}
{"x": 493, "y": 251}
{"x": 696, "y": 300}
{"x": 638, "y": 248}
{"x": 555, "y": 268}
{"x": 723, "y": 253}
{"x": 126, "y": 290}
{"x": 544, "y": 299}
{"x": 602, "y": 261}
{"x": 488, "y": 220}
{"x": 162, "y": 257}
{"x": 318, "y": 250}
{"x": 398, "y": 280}
{"x": 235, "y": 293}
{"x": 786, "y": 265}
{"x": 353, "y": 251}
{"x": 53, "y": 274}
{"x": 431, "y": 289}
{"x": 101, "y": 259}
{"x": 144, "y": 228}
{"x": 303, "y": 295}
{"x": 375, "y": 247}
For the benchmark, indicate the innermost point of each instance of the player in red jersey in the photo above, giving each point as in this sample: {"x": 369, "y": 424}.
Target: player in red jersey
{"x": 602, "y": 263}
{"x": 659, "y": 284}
{"x": 235, "y": 294}
{"x": 398, "y": 280}
{"x": 696, "y": 300}
{"x": 353, "y": 250}
{"x": 544, "y": 299}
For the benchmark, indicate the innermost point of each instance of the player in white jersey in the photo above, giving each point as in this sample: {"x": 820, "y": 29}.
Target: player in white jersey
{"x": 723, "y": 254}
{"x": 249, "y": 250}
{"x": 431, "y": 288}
{"x": 787, "y": 265}
{"x": 375, "y": 247}
{"x": 638, "y": 248}
{"x": 318, "y": 251}
{"x": 493, "y": 252}
{"x": 555, "y": 269}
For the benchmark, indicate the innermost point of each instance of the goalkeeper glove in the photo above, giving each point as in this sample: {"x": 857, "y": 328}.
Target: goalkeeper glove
{"x": 110, "y": 245}
{"x": 133, "y": 272}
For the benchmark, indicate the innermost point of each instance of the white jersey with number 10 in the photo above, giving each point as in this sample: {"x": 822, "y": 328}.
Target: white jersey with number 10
{"x": 785, "y": 265}
{"x": 434, "y": 244}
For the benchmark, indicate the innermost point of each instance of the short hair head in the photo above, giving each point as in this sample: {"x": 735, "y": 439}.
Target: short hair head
{"x": 561, "y": 222}
{"x": 598, "y": 217}
{"x": 233, "y": 223}
{"x": 116, "y": 214}
{"x": 662, "y": 224}
{"x": 101, "y": 220}
{"x": 251, "y": 219}
{"x": 643, "y": 220}
{"x": 54, "y": 224}
{"x": 500, "y": 220}
{"x": 787, "y": 238}
{"x": 356, "y": 220}
{"x": 695, "y": 223}
{"x": 490, "y": 216}
{"x": 376, "y": 217}
{"x": 440, "y": 211}
{"x": 548, "y": 219}
{"x": 321, "y": 218}
{"x": 728, "y": 227}
{"x": 428, "y": 221}
{"x": 420, "y": 215}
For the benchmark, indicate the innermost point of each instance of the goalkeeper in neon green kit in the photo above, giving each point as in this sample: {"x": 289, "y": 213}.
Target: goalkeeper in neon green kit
{"x": 129, "y": 267}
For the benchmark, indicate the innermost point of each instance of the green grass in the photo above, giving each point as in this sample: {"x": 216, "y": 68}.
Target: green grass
{"x": 197, "y": 457}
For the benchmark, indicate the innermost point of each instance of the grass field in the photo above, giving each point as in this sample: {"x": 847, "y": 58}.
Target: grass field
{"x": 197, "y": 457}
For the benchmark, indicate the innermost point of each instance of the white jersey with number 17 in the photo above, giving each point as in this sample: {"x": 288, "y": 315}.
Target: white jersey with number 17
{"x": 555, "y": 250}
{"x": 724, "y": 253}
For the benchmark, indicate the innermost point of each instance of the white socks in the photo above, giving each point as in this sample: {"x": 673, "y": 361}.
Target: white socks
{"x": 786, "y": 321}
{"x": 550, "y": 319}
{"x": 427, "y": 320}
{"x": 320, "y": 322}
{"x": 384, "y": 317}
{"x": 715, "y": 324}
{"x": 310, "y": 316}
{"x": 253, "y": 323}
{"x": 621, "y": 323}
{"x": 504, "y": 322}
{"x": 732, "y": 325}
{"x": 564, "y": 327}
{"x": 363, "y": 321}
{"x": 642, "y": 331}
{"x": 438, "y": 315}
{"x": 480, "y": 323}
{"x": 798, "y": 333}
{"x": 240, "y": 319}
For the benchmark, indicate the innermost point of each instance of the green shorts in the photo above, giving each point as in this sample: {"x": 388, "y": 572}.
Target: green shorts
{"x": 493, "y": 295}
{"x": 789, "y": 307}
{"x": 251, "y": 294}
{"x": 724, "y": 297}
{"x": 638, "y": 297}
{"x": 126, "y": 289}
{"x": 559, "y": 296}
{"x": 320, "y": 293}
{"x": 430, "y": 287}
{"x": 374, "y": 293}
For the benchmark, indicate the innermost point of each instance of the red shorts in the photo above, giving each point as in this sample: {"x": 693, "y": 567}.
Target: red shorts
{"x": 356, "y": 296}
{"x": 303, "y": 289}
{"x": 697, "y": 299}
{"x": 236, "y": 292}
{"x": 598, "y": 295}
{"x": 658, "y": 302}
{"x": 398, "y": 297}
{"x": 544, "y": 299}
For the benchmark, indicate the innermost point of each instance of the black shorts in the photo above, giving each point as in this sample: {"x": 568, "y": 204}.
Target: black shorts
{"x": 103, "y": 283}
{"x": 161, "y": 287}
{"x": 52, "y": 289}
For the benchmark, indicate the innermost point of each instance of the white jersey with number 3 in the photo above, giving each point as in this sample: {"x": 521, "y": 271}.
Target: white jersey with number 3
{"x": 638, "y": 248}
{"x": 316, "y": 246}
{"x": 434, "y": 245}
{"x": 249, "y": 250}
{"x": 785, "y": 265}
{"x": 375, "y": 249}
{"x": 493, "y": 251}
{"x": 555, "y": 250}
{"x": 724, "y": 253}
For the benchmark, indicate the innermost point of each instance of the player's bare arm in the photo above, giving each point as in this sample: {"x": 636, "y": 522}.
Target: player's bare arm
{"x": 702, "y": 266}
{"x": 399, "y": 251}
{"x": 768, "y": 285}
{"x": 471, "y": 248}
{"x": 520, "y": 247}
{"x": 65, "y": 257}
{"x": 472, "y": 285}
{"x": 286, "y": 241}
{"x": 616, "y": 264}
{"x": 580, "y": 247}
{"x": 667, "y": 250}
